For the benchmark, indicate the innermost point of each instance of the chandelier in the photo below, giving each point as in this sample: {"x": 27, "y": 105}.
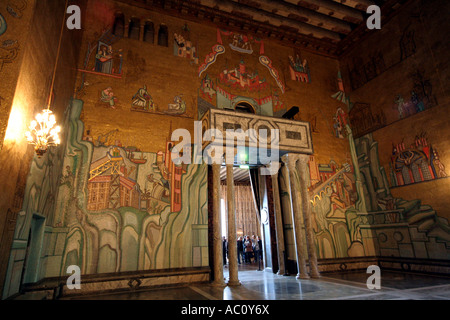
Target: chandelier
{"x": 43, "y": 133}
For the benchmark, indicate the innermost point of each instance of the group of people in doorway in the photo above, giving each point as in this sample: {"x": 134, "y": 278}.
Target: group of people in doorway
{"x": 249, "y": 250}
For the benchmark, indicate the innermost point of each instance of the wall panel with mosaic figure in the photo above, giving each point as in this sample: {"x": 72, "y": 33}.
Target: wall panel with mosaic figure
{"x": 9, "y": 50}
{"x": 421, "y": 96}
{"x": 253, "y": 84}
{"x": 183, "y": 46}
{"x": 415, "y": 163}
{"x": 402, "y": 228}
{"x": 299, "y": 69}
{"x": 127, "y": 210}
{"x": 391, "y": 226}
{"x": 365, "y": 119}
{"x": 333, "y": 196}
{"x": 142, "y": 101}
{"x": 102, "y": 58}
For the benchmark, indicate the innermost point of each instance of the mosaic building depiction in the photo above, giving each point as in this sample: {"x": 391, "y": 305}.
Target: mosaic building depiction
{"x": 418, "y": 163}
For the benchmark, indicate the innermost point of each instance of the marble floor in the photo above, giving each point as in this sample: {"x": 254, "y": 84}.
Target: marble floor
{"x": 264, "y": 285}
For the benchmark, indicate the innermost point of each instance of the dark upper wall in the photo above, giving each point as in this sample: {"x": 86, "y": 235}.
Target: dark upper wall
{"x": 409, "y": 54}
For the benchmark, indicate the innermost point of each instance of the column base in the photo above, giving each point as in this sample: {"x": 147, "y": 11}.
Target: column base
{"x": 302, "y": 276}
{"x": 281, "y": 273}
{"x": 234, "y": 283}
{"x": 316, "y": 276}
{"x": 218, "y": 284}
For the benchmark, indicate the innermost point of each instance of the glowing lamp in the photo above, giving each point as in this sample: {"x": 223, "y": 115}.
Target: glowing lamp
{"x": 43, "y": 133}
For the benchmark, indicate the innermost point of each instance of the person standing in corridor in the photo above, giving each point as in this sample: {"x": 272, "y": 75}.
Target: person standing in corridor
{"x": 224, "y": 250}
{"x": 240, "y": 249}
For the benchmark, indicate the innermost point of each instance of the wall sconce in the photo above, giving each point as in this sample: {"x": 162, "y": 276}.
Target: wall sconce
{"x": 43, "y": 133}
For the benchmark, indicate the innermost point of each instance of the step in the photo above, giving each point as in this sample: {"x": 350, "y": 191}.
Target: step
{"x": 410, "y": 207}
{"x": 443, "y": 221}
{"x": 426, "y": 225}
{"x": 425, "y": 207}
{"x": 418, "y": 217}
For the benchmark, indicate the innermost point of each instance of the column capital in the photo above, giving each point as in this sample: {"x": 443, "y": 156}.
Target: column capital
{"x": 290, "y": 160}
{"x": 303, "y": 158}
{"x": 216, "y": 158}
{"x": 271, "y": 169}
{"x": 302, "y": 165}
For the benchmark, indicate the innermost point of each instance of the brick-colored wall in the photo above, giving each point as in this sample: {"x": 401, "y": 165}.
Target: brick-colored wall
{"x": 411, "y": 43}
{"x": 166, "y": 75}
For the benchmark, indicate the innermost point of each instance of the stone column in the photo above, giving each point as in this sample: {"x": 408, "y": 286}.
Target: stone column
{"x": 126, "y": 29}
{"x": 278, "y": 224}
{"x": 141, "y": 31}
{"x": 217, "y": 230}
{"x": 307, "y": 214}
{"x": 232, "y": 245}
{"x": 294, "y": 193}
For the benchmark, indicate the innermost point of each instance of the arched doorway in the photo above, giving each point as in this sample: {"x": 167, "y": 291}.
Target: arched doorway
{"x": 245, "y": 107}
{"x": 33, "y": 256}
{"x": 252, "y": 221}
